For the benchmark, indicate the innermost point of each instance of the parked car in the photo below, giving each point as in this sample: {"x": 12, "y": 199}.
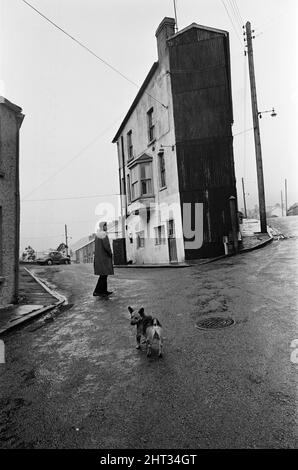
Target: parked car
{"x": 53, "y": 257}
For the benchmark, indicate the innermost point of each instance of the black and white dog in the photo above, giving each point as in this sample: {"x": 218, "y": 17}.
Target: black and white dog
{"x": 148, "y": 327}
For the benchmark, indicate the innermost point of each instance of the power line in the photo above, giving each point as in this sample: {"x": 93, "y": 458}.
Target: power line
{"x": 237, "y": 12}
{"x": 242, "y": 132}
{"x": 71, "y": 197}
{"x": 70, "y": 222}
{"x": 234, "y": 12}
{"x": 46, "y": 236}
{"x": 232, "y": 22}
{"x": 90, "y": 51}
{"x": 71, "y": 160}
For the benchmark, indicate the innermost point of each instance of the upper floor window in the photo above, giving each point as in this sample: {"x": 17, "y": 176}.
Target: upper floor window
{"x": 134, "y": 183}
{"x": 128, "y": 189}
{"x": 146, "y": 179}
{"x": 151, "y": 126}
{"x": 129, "y": 145}
{"x": 160, "y": 237}
{"x": 162, "y": 169}
{"x": 141, "y": 179}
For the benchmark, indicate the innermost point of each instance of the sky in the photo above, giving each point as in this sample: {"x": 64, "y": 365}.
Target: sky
{"x": 74, "y": 103}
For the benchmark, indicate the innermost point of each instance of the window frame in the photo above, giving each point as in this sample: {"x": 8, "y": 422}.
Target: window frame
{"x": 162, "y": 170}
{"x": 128, "y": 188}
{"x": 129, "y": 145}
{"x": 160, "y": 235}
{"x": 136, "y": 180}
{"x": 140, "y": 238}
{"x": 150, "y": 126}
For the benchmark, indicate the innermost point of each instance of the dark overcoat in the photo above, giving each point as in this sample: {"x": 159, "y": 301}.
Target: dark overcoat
{"x": 103, "y": 257}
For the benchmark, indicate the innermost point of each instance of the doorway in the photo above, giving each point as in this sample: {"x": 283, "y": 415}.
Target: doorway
{"x": 172, "y": 242}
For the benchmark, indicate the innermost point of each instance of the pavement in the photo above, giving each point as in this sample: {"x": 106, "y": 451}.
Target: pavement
{"x": 38, "y": 298}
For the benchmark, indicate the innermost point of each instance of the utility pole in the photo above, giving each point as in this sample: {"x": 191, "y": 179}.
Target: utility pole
{"x": 286, "y": 196}
{"x": 175, "y": 10}
{"x": 244, "y": 201}
{"x": 255, "y": 115}
{"x": 282, "y": 204}
{"x": 66, "y": 240}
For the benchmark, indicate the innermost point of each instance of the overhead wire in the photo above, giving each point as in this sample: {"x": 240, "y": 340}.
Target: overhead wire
{"x": 237, "y": 12}
{"x": 72, "y": 197}
{"x": 76, "y": 156}
{"x": 232, "y": 22}
{"x": 90, "y": 51}
{"x": 234, "y": 12}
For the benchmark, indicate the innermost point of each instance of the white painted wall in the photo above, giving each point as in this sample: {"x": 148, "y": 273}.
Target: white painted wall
{"x": 159, "y": 88}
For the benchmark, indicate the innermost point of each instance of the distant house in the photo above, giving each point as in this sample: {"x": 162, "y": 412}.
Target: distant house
{"x": 293, "y": 210}
{"x": 11, "y": 119}
{"x": 175, "y": 150}
{"x": 84, "y": 249}
{"x": 274, "y": 211}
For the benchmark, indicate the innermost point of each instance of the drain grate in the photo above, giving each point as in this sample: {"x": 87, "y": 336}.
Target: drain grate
{"x": 214, "y": 323}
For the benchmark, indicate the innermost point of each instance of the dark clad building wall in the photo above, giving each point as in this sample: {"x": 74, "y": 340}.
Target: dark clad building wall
{"x": 200, "y": 77}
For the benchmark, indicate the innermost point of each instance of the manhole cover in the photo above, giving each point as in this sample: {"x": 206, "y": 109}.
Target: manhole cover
{"x": 214, "y": 323}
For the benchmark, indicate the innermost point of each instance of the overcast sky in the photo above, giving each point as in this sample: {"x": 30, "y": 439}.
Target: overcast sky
{"x": 74, "y": 103}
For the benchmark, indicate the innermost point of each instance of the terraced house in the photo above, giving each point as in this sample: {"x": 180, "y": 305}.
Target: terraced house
{"x": 175, "y": 150}
{"x": 11, "y": 119}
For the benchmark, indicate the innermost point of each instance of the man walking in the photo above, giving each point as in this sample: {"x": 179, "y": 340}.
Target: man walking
{"x": 103, "y": 265}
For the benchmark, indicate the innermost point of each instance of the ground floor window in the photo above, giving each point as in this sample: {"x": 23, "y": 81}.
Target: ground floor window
{"x": 160, "y": 238}
{"x": 140, "y": 239}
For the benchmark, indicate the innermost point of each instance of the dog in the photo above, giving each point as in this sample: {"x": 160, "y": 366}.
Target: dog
{"x": 148, "y": 327}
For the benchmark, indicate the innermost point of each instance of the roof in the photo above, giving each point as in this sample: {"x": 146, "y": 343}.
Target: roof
{"x": 81, "y": 243}
{"x": 199, "y": 26}
{"x": 136, "y": 100}
{"x": 143, "y": 158}
{"x": 152, "y": 71}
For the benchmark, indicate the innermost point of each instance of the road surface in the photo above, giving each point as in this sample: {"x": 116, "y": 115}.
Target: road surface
{"x": 79, "y": 382}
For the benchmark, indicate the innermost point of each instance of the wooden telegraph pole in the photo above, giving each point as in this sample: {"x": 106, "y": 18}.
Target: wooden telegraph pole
{"x": 66, "y": 239}
{"x": 255, "y": 115}
{"x": 244, "y": 200}
{"x": 286, "y": 196}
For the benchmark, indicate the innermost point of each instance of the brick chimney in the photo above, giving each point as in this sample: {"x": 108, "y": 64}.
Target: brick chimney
{"x": 165, "y": 30}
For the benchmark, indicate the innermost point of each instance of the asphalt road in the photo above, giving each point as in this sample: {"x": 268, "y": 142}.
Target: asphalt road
{"x": 79, "y": 382}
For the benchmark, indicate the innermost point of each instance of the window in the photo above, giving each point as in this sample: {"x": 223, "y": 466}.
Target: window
{"x": 134, "y": 183}
{"x": 146, "y": 186}
{"x": 141, "y": 239}
{"x": 129, "y": 145}
{"x": 151, "y": 127}
{"x": 128, "y": 189}
{"x": 141, "y": 180}
{"x": 160, "y": 238}
{"x": 162, "y": 169}
{"x": 171, "y": 229}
